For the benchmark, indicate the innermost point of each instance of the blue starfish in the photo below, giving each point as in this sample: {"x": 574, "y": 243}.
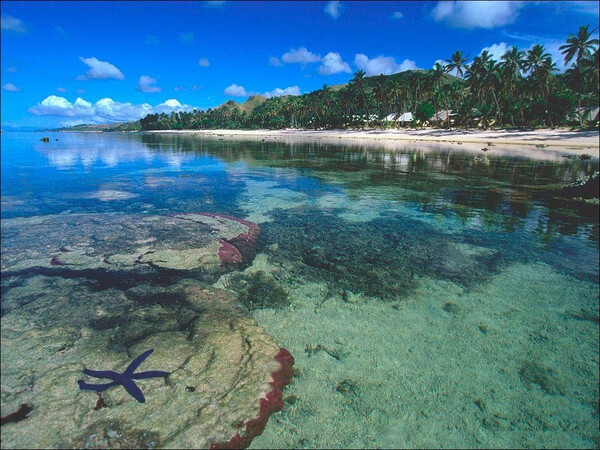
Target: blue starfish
{"x": 126, "y": 378}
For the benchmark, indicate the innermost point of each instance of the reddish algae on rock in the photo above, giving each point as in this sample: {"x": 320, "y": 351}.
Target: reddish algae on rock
{"x": 269, "y": 405}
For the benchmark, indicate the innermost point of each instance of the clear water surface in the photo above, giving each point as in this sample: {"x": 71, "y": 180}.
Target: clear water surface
{"x": 435, "y": 298}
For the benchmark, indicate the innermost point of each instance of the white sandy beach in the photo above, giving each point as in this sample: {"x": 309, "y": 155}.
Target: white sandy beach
{"x": 543, "y": 143}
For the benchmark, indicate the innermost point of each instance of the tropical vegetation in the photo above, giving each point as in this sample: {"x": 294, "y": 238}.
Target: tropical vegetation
{"x": 522, "y": 89}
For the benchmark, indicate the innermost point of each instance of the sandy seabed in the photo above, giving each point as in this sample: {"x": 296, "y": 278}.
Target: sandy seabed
{"x": 511, "y": 362}
{"x": 540, "y": 144}
{"x": 507, "y": 365}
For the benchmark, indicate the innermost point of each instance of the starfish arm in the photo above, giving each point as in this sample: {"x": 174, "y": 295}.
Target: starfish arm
{"x": 132, "y": 388}
{"x": 149, "y": 374}
{"x": 95, "y": 387}
{"x": 102, "y": 373}
{"x": 136, "y": 362}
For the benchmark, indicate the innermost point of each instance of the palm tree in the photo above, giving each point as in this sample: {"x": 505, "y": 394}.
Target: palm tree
{"x": 540, "y": 66}
{"x": 483, "y": 112}
{"x": 457, "y": 62}
{"x": 399, "y": 93}
{"x": 304, "y": 111}
{"x": 164, "y": 121}
{"x": 289, "y": 109}
{"x": 537, "y": 61}
{"x": 436, "y": 74}
{"x": 594, "y": 66}
{"x": 579, "y": 46}
{"x": 358, "y": 87}
{"x": 418, "y": 85}
{"x": 324, "y": 98}
{"x": 347, "y": 104}
{"x": 511, "y": 65}
{"x": 315, "y": 108}
{"x": 511, "y": 68}
{"x": 483, "y": 78}
{"x": 381, "y": 92}
{"x": 435, "y": 78}
{"x": 475, "y": 75}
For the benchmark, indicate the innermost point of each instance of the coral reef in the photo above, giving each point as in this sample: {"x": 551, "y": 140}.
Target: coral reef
{"x": 258, "y": 290}
{"x": 225, "y": 372}
{"x": 242, "y": 234}
{"x": 383, "y": 258}
{"x": 128, "y": 248}
{"x": 142, "y": 281}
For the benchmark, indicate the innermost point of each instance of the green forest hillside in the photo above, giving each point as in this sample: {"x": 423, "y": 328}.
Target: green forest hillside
{"x": 339, "y": 106}
{"x": 521, "y": 89}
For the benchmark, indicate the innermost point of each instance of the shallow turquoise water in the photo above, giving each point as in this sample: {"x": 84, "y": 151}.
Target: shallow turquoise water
{"x": 441, "y": 247}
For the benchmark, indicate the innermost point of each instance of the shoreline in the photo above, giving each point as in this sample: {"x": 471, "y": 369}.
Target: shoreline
{"x": 536, "y": 143}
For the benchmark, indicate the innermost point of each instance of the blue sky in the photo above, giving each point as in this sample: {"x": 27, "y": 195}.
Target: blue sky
{"x": 66, "y": 63}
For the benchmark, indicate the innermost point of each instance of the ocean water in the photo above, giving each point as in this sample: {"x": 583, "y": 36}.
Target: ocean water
{"x": 430, "y": 298}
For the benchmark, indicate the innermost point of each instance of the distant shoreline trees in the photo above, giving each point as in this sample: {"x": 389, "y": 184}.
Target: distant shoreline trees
{"x": 521, "y": 90}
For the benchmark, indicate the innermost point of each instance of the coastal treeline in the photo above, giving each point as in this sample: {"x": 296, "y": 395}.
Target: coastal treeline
{"x": 522, "y": 89}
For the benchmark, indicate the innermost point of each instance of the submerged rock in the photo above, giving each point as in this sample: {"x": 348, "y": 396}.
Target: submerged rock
{"x": 226, "y": 372}
{"x": 586, "y": 187}
{"x": 92, "y": 291}
{"x": 126, "y": 244}
{"x": 242, "y": 234}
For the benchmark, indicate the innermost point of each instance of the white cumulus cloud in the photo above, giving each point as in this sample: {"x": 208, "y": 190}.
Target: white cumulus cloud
{"x": 9, "y": 87}
{"x": 235, "y": 91}
{"x": 382, "y": 64}
{"x": 204, "y": 62}
{"x": 100, "y": 70}
{"x": 277, "y": 92}
{"x": 107, "y": 107}
{"x": 334, "y": 9}
{"x": 300, "y": 56}
{"x": 170, "y": 105}
{"x": 496, "y": 51}
{"x": 54, "y": 105}
{"x": 10, "y": 23}
{"x": 147, "y": 84}
{"x": 332, "y": 64}
{"x": 397, "y": 15}
{"x": 105, "y": 110}
{"x": 476, "y": 14}
{"x": 275, "y": 62}
{"x": 240, "y": 91}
